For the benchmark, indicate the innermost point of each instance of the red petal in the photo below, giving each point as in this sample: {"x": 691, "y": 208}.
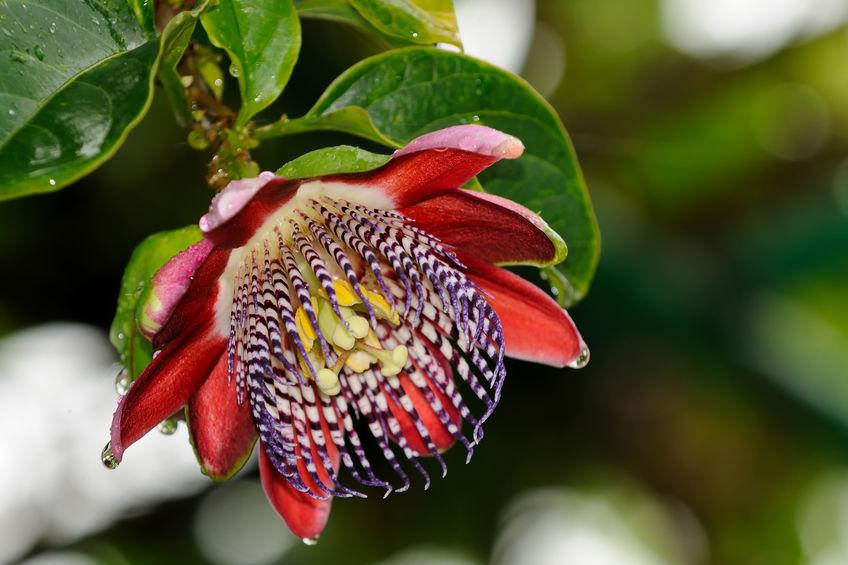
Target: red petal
{"x": 164, "y": 386}
{"x": 488, "y": 228}
{"x": 222, "y": 432}
{"x": 196, "y": 308}
{"x": 304, "y": 515}
{"x": 535, "y": 327}
{"x": 441, "y": 161}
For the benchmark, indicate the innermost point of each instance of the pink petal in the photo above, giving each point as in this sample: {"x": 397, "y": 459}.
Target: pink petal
{"x": 232, "y": 199}
{"x": 535, "y": 327}
{"x": 488, "y": 228}
{"x": 168, "y": 286}
{"x": 165, "y": 386}
{"x": 222, "y": 432}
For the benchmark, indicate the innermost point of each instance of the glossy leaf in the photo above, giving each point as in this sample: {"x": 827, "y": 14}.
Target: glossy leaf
{"x": 175, "y": 39}
{"x": 402, "y": 94}
{"x": 133, "y": 348}
{"x": 144, "y": 13}
{"x": 399, "y": 22}
{"x": 262, "y": 39}
{"x": 332, "y": 160}
{"x": 75, "y": 77}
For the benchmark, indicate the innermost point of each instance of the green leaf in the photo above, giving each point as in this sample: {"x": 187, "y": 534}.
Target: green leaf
{"x": 400, "y": 22}
{"x": 175, "y": 39}
{"x": 332, "y": 160}
{"x": 402, "y": 94}
{"x": 133, "y": 348}
{"x": 75, "y": 78}
{"x": 144, "y": 13}
{"x": 262, "y": 39}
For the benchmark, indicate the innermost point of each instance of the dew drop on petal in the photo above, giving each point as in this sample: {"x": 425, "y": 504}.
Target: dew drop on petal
{"x": 168, "y": 427}
{"x": 311, "y": 541}
{"x": 123, "y": 382}
{"x": 108, "y": 458}
{"x": 581, "y": 360}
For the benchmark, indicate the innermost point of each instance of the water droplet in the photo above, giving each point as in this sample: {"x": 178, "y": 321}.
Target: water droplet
{"x": 475, "y": 118}
{"x": 311, "y": 541}
{"x": 219, "y": 83}
{"x": 52, "y": 182}
{"x": 581, "y": 360}
{"x": 107, "y": 457}
{"x": 123, "y": 381}
{"x": 39, "y": 52}
{"x": 554, "y": 291}
{"x": 52, "y": 27}
{"x": 234, "y": 70}
{"x": 257, "y": 98}
{"x": 18, "y": 57}
{"x": 11, "y": 112}
{"x": 414, "y": 35}
{"x": 168, "y": 427}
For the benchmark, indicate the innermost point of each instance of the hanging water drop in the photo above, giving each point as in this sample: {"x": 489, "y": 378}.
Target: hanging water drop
{"x": 108, "y": 458}
{"x": 123, "y": 382}
{"x": 581, "y": 360}
{"x": 168, "y": 427}
{"x": 311, "y": 541}
{"x": 234, "y": 70}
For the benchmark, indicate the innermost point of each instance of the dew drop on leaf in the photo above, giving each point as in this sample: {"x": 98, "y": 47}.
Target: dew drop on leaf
{"x": 234, "y": 70}
{"x": 168, "y": 427}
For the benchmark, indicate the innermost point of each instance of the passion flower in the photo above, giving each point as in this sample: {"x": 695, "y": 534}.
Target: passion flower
{"x": 376, "y": 296}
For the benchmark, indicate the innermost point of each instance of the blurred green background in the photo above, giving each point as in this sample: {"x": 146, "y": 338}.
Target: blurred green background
{"x": 711, "y": 425}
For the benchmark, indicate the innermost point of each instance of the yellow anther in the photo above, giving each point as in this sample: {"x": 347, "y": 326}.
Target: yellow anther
{"x": 359, "y": 361}
{"x": 327, "y": 320}
{"x": 391, "y": 362}
{"x": 342, "y": 338}
{"x": 381, "y": 307}
{"x": 345, "y": 294}
{"x": 328, "y": 382}
{"x": 358, "y": 326}
{"x": 304, "y": 328}
{"x": 316, "y": 358}
{"x": 400, "y": 355}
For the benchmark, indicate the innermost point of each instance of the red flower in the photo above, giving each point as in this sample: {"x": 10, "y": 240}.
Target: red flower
{"x": 311, "y": 303}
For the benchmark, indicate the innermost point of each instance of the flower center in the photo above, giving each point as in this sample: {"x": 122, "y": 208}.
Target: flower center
{"x": 340, "y": 310}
